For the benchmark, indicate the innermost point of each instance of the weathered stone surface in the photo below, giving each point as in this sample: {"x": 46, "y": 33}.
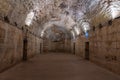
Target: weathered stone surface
{"x": 11, "y": 45}
{"x": 104, "y": 41}
{"x": 105, "y": 51}
{"x": 62, "y": 46}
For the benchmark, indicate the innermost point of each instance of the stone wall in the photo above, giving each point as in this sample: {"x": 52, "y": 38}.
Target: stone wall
{"x": 104, "y": 46}
{"x": 80, "y": 46}
{"x": 33, "y": 45}
{"x": 62, "y": 46}
{"x": 11, "y": 45}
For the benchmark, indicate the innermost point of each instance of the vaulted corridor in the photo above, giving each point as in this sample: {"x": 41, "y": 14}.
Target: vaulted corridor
{"x": 57, "y": 66}
{"x": 59, "y": 39}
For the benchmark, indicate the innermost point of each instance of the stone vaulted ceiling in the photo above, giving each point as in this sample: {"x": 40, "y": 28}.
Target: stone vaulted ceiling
{"x": 71, "y": 17}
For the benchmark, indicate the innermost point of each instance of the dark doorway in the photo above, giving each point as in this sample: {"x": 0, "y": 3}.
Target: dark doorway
{"x": 25, "y": 43}
{"x": 74, "y": 48}
{"x": 87, "y": 50}
{"x": 40, "y": 48}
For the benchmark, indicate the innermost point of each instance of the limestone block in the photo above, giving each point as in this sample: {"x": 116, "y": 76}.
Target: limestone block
{"x": 12, "y": 48}
{"x": 118, "y": 55}
{"x": 105, "y": 37}
{"x": 118, "y": 45}
{"x": 118, "y": 36}
{"x": 5, "y": 7}
{"x": 114, "y": 45}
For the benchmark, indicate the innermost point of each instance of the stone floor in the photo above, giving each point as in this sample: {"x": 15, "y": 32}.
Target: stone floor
{"x": 57, "y": 67}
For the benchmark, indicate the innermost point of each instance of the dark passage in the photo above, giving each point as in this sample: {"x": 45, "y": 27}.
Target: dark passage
{"x": 25, "y": 47}
{"x": 87, "y": 51}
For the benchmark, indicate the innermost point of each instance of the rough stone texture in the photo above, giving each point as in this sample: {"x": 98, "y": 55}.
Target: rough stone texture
{"x": 15, "y": 12}
{"x": 104, "y": 43}
{"x": 11, "y": 45}
{"x": 33, "y": 45}
{"x": 104, "y": 46}
{"x": 62, "y": 46}
{"x": 80, "y": 46}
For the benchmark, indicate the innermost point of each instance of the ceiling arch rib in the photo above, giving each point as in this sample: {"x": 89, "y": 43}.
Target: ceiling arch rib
{"x": 64, "y": 13}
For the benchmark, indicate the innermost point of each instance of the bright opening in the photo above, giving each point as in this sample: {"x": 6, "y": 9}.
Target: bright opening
{"x": 29, "y": 18}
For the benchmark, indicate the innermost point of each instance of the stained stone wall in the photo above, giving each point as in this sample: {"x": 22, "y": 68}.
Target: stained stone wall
{"x": 62, "y": 46}
{"x": 11, "y": 45}
{"x": 33, "y": 45}
{"x": 104, "y": 46}
{"x": 80, "y": 46}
